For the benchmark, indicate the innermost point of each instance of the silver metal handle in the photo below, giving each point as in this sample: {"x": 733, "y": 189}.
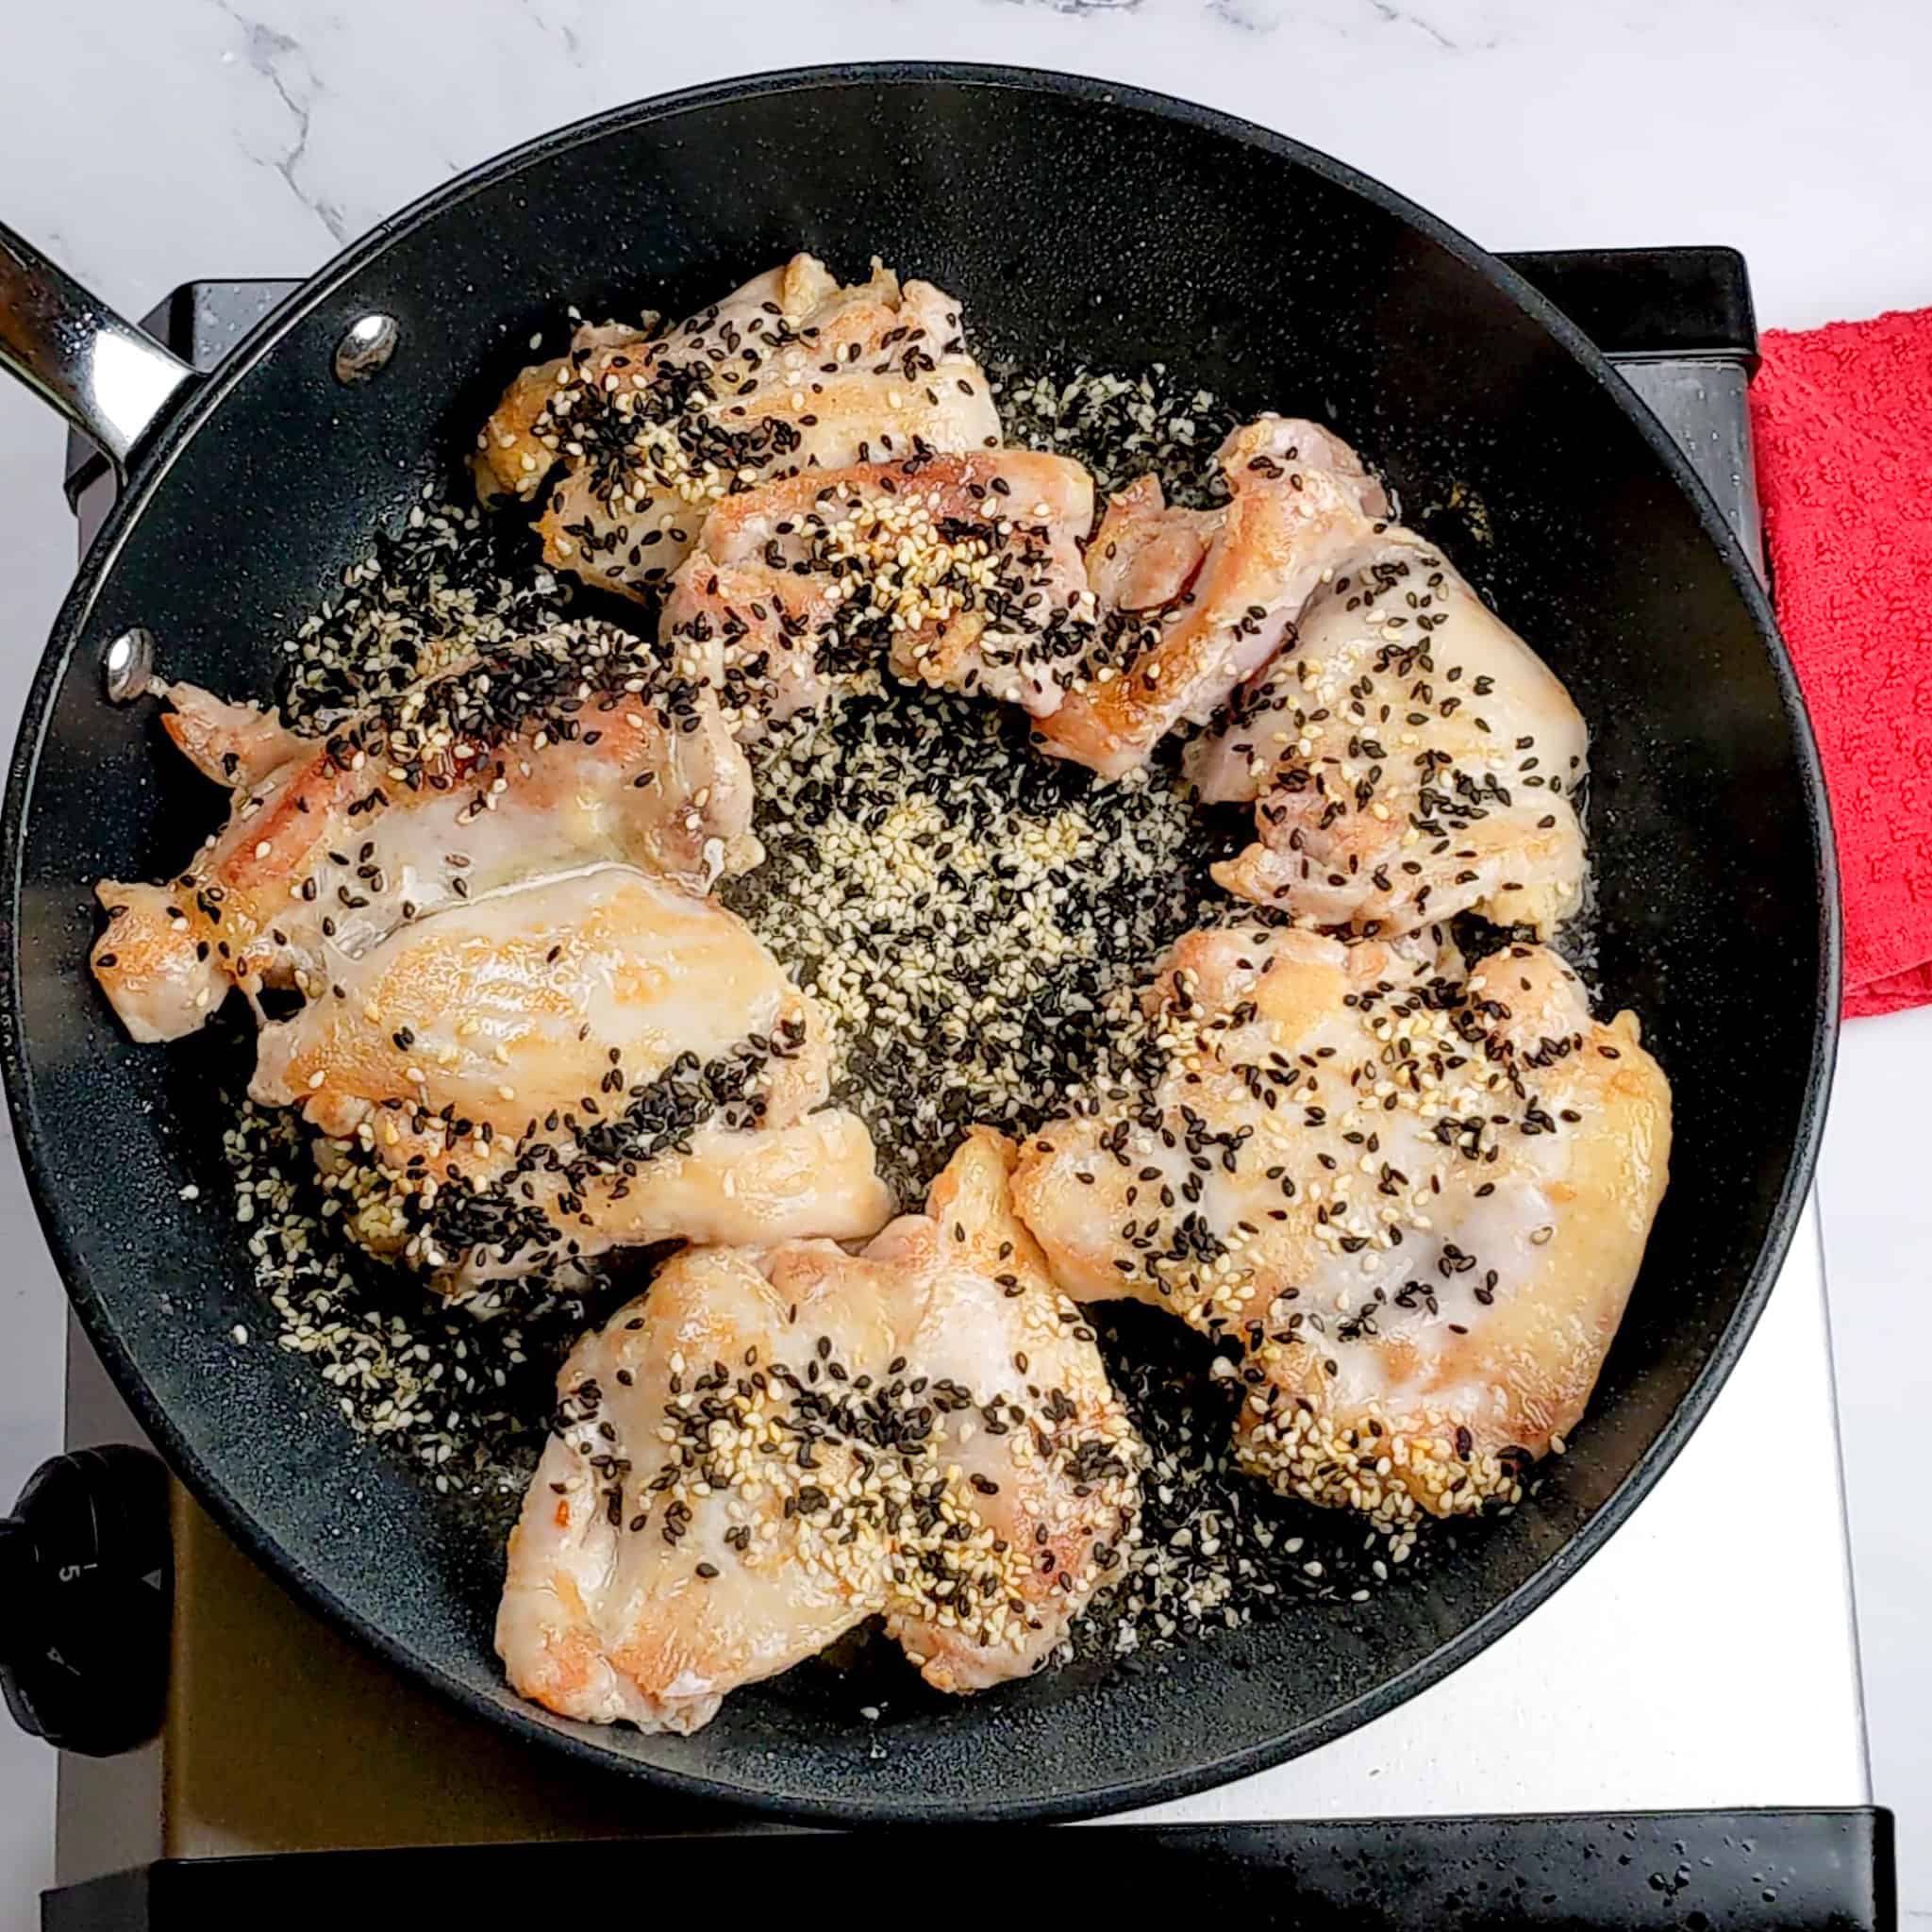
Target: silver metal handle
{"x": 112, "y": 381}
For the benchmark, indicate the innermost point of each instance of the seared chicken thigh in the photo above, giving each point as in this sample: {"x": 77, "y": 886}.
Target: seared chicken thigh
{"x": 1414, "y": 1206}
{"x": 649, "y": 429}
{"x": 1411, "y": 758}
{"x": 967, "y": 571}
{"x": 1200, "y": 599}
{"x": 524, "y": 1038}
{"x": 521, "y": 1001}
{"x": 590, "y": 1060}
{"x": 581, "y": 746}
{"x": 774, "y": 1444}
{"x": 772, "y": 625}
{"x": 962, "y": 570}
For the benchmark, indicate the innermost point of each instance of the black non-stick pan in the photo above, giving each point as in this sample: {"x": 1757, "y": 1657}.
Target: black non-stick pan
{"x": 1083, "y": 223}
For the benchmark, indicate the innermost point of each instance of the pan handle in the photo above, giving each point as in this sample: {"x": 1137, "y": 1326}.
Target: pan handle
{"x": 112, "y": 381}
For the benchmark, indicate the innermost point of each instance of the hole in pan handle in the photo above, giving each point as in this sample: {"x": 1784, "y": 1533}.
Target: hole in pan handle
{"x": 112, "y": 381}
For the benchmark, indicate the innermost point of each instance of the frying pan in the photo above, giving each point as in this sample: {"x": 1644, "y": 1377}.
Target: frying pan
{"x": 1081, "y": 222}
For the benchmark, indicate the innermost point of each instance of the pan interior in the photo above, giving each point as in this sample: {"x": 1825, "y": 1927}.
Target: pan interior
{"x": 1079, "y": 226}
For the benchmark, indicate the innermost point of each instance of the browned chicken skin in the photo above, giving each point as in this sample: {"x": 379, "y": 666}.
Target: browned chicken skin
{"x": 591, "y": 1059}
{"x": 1410, "y": 759}
{"x": 1217, "y": 590}
{"x": 967, "y": 571}
{"x": 964, "y": 571}
{"x": 526, "y": 1037}
{"x": 774, "y": 1445}
{"x": 582, "y": 746}
{"x": 1413, "y": 1204}
{"x": 646, "y": 431}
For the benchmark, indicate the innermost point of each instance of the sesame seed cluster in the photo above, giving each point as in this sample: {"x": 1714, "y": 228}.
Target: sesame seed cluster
{"x": 1355, "y": 1141}
{"x": 851, "y": 1473}
{"x": 404, "y": 1209}
{"x": 973, "y": 915}
{"x": 454, "y": 1394}
{"x": 1117, "y": 427}
{"x": 442, "y": 589}
{"x": 1219, "y": 1551}
{"x": 904, "y": 568}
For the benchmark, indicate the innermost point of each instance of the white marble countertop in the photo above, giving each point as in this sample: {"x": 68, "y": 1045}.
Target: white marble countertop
{"x": 144, "y": 144}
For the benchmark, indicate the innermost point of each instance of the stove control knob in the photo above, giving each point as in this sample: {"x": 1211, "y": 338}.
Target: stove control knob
{"x": 85, "y": 1587}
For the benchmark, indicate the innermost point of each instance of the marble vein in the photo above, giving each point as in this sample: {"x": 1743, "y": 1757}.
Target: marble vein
{"x": 1396, "y": 16}
{"x": 279, "y": 59}
{"x": 568, "y": 35}
{"x": 1081, "y": 9}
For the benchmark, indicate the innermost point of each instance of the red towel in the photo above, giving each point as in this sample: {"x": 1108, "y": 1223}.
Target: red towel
{"x": 1842, "y": 419}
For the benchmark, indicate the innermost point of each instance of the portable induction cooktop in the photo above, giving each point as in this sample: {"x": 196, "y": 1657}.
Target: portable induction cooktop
{"x": 1694, "y": 1690}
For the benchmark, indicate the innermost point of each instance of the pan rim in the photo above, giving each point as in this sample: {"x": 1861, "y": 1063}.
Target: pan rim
{"x": 580, "y": 1743}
